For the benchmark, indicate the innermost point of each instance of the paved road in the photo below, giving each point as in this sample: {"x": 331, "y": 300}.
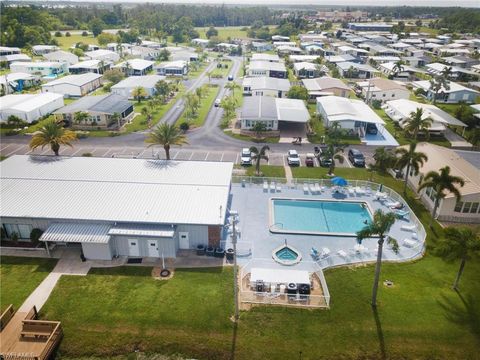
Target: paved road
{"x": 205, "y": 143}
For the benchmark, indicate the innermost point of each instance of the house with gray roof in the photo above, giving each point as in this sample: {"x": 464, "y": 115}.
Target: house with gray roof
{"x": 350, "y": 69}
{"x": 74, "y": 85}
{"x": 265, "y": 86}
{"x": 62, "y": 56}
{"x": 273, "y": 112}
{"x": 135, "y": 67}
{"x": 101, "y": 110}
{"x": 93, "y": 66}
{"x": 266, "y": 68}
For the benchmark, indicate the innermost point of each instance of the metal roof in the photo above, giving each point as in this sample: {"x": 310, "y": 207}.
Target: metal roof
{"x": 292, "y": 110}
{"x": 136, "y": 64}
{"x": 147, "y": 81}
{"x": 117, "y": 190}
{"x": 27, "y": 102}
{"x": 109, "y": 104}
{"x": 143, "y": 230}
{"x": 266, "y": 65}
{"x": 343, "y": 109}
{"x": 325, "y": 82}
{"x": 265, "y": 82}
{"x": 77, "y": 80}
{"x": 77, "y": 232}
{"x": 259, "y": 107}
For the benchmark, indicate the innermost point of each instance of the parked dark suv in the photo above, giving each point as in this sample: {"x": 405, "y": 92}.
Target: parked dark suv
{"x": 356, "y": 158}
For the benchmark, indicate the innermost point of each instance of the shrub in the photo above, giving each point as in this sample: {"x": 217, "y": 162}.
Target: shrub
{"x": 84, "y": 33}
{"x": 87, "y": 154}
{"x": 113, "y": 134}
{"x": 184, "y": 126}
{"x": 67, "y": 34}
{"x": 14, "y": 237}
{"x": 225, "y": 123}
{"x": 58, "y": 34}
{"x": 419, "y": 92}
{"x": 3, "y": 234}
{"x": 82, "y": 134}
{"x": 35, "y": 235}
{"x": 376, "y": 104}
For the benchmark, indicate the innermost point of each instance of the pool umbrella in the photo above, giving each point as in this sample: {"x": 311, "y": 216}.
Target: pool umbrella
{"x": 339, "y": 181}
{"x": 380, "y": 188}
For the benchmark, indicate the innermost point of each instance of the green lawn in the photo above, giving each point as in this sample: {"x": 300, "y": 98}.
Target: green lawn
{"x": 269, "y": 140}
{"x": 233, "y": 32}
{"x": 20, "y": 276}
{"x": 206, "y": 104}
{"x": 66, "y": 42}
{"x": 192, "y": 74}
{"x": 419, "y": 317}
{"x": 267, "y": 171}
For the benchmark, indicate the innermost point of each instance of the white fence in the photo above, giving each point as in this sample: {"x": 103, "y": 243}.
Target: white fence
{"x": 318, "y": 298}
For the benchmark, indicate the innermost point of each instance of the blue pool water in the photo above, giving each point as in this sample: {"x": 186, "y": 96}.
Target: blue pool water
{"x": 319, "y": 216}
{"x": 286, "y": 253}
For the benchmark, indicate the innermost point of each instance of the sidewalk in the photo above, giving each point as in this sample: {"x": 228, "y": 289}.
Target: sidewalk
{"x": 456, "y": 140}
{"x": 69, "y": 264}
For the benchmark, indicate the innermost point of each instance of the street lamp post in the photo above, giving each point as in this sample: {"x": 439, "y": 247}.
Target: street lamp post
{"x": 235, "y": 281}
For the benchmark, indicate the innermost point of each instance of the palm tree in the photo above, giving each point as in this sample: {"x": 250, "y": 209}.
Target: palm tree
{"x": 447, "y": 72}
{"x": 139, "y": 93}
{"x": 437, "y": 84}
{"x": 80, "y": 117}
{"x": 259, "y": 155}
{"x": 209, "y": 75}
{"x": 52, "y": 134}
{"x": 440, "y": 182}
{"x": 331, "y": 154}
{"x": 350, "y": 72}
{"x": 410, "y": 159}
{"x": 116, "y": 117}
{"x": 228, "y": 104}
{"x": 147, "y": 113}
{"x": 384, "y": 159}
{"x": 166, "y": 135}
{"x": 398, "y": 67}
{"x": 127, "y": 68}
{"x": 380, "y": 226}
{"x": 417, "y": 122}
{"x": 460, "y": 243}
{"x": 232, "y": 85}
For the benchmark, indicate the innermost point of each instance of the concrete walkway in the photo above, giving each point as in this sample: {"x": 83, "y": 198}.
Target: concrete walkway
{"x": 69, "y": 264}
{"x": 288, "y": 175}
{"x": 456, "y": 140}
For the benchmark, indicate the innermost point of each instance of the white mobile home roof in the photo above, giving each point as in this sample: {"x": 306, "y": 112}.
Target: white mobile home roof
{"x": 27, "y": 102}
{"x": 146, "y": 81}
{"x": 78, "y": 80}
{"x": 341, "y": 109}
{"x": 118, "y": 190}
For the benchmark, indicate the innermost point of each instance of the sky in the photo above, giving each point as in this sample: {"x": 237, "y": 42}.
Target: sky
{"x": 463, "y": 3}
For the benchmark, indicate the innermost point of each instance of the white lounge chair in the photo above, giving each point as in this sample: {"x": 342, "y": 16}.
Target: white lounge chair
{"x": 305, "y": 188}
{"x": 380, "y": 195}
{"x": 318, "y": 189}
{"x": 325, "y": 252}
{"x": 342, "y": 254}
{"x": 360, "y": 249}
{"x": 351, "y": 191}
{"x": 409, "y": 243}
{"x": 279, "y": 188}
{"x": 265, "y": 186}
{"x": 360, "y": 191}
{"x": 393, "y": 204}
{"x": 312, "y": 189}
{"x": 409, "y": 227}
{"x": 272, "y": 186}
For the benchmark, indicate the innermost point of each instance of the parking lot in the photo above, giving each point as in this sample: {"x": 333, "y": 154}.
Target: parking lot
{"x": 275, "y": 158}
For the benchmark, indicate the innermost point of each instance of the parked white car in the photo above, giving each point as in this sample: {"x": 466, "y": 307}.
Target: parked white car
{"x": 293, "y": 159}
{"x": 246, "y": 157}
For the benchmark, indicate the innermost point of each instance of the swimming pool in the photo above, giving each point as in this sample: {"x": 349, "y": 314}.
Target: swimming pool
{"x": 318, "y": 216}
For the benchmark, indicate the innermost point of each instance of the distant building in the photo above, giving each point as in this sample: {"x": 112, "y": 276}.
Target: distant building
{"x": 304, "y": 70}
{"x": 100, "y": 109}
{"x": 102, "y": 54}
{"x": 265, "y": 86}
{"x": 92, "y": 66}
{"x": 272, "y": 112}
{"x": 126, "y": 86}
{"x": 62, "y": 56}
{"x": 29, "y": 107}
{"x": 173, "y": 68}
{"x": 261, "y": 46}
{"x": 455, "y": 94}
{"x": 74, "y": 85}
{"x": 382, "y": 90}
{"x": 265, "y": 57}
{"x": 43, "y": 68}
{"x": 5, "y": 50}
{"x": 44, "y": 49}
{"x": 370, "y": 27}
{"x": 135, "y": 67}
{"x": 356, "y": 71}
{"x": 325, "y": 86}
{"x": 265, "y": 68}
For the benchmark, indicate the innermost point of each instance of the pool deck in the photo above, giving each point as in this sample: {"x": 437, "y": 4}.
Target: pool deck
{"x": 252, "y": 204}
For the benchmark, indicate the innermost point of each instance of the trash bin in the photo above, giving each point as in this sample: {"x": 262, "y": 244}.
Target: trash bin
{"x": 210, "y": 251}
{"x": 229, "y": 254}
{"x": 219, "y": 252}
{"x": 243, "y": 182}
{"x": 200, "y": 250}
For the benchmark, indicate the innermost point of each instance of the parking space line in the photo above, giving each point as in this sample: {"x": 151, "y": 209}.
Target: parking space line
{"x": 347, "y": 161}
{"x": 178, "y": 152}
{"x": 236, "y": 159}
{"x": 46, "y": 152}
{"x": 16, "y": 149}
{"x": 75, "y": 152}
{"x": 221, "y": 159}
{"x": 283, "y": 158}
{"x": 140, "y": 154}
{"x": 5, "y": 147}
{"x": 206, "y": 157}
{"x": 191, "y": 155}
